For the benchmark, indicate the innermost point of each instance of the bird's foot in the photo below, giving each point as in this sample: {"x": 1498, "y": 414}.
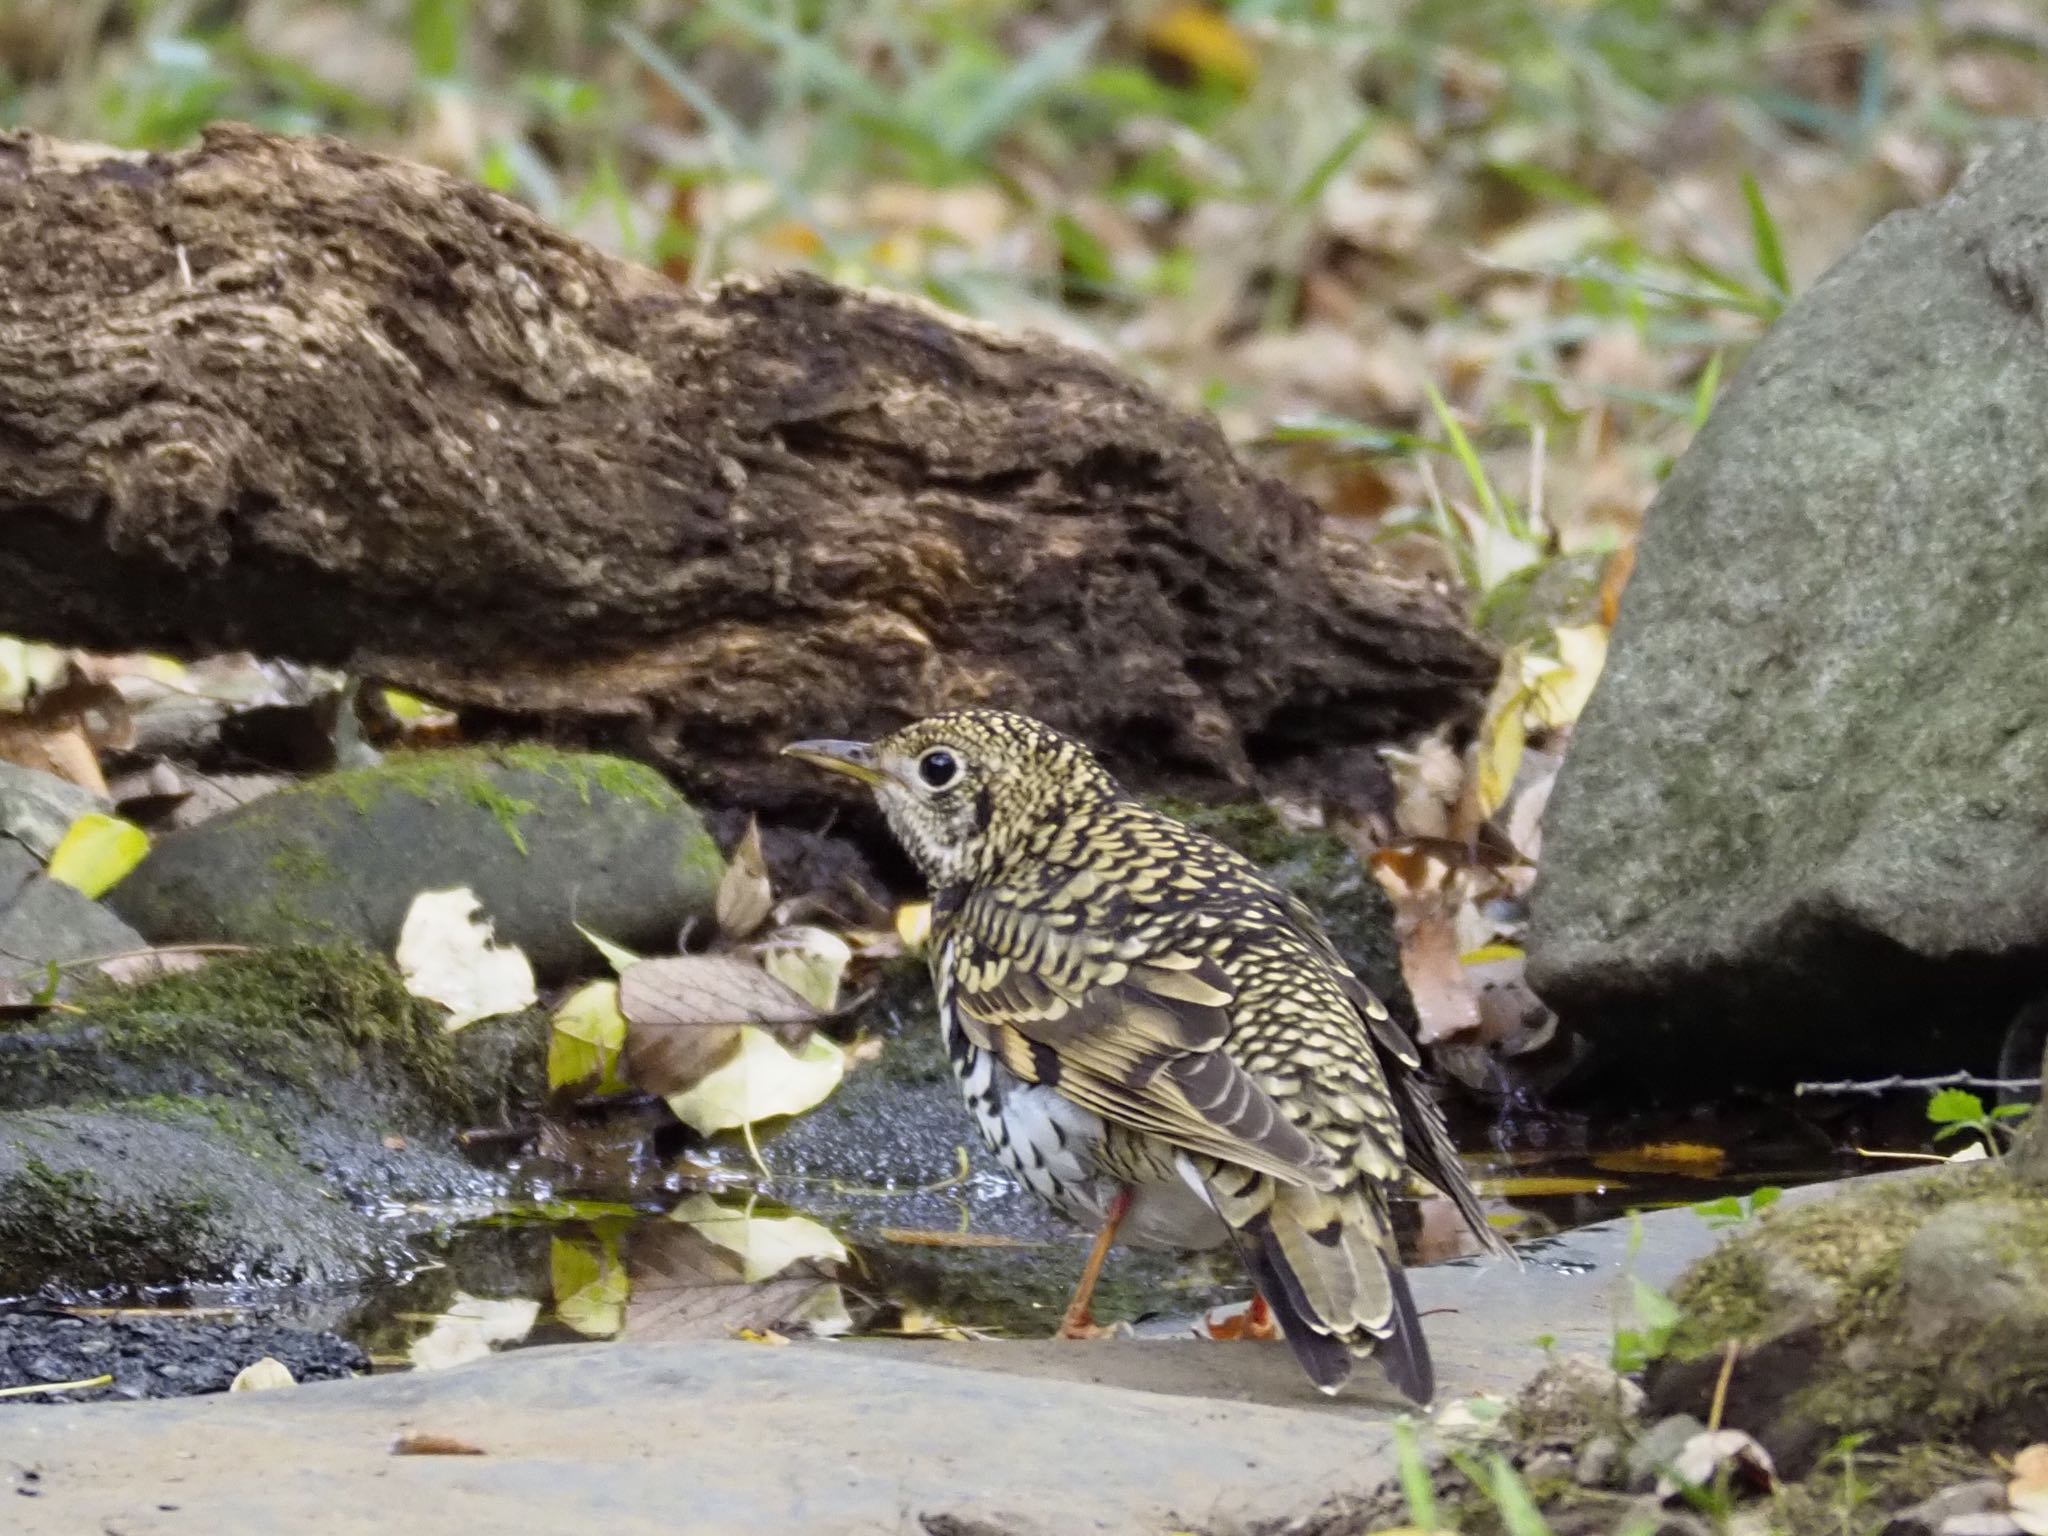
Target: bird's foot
{"x": 1254, "y": 1322}
{"x": 1080, "y": 1326}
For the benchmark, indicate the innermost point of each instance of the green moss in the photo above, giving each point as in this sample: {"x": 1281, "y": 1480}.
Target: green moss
{"x": 248, "y": 1126}
{"x": 303, "y": 864}
{"x": 507, "y": 810}
{"x": 1849, "y": 1244}
{"x": 55, "y": 1221}
{"x": 468, "y": 773}
{"x": 1823, "y": 1281}
{"x": 302, "y": 1015}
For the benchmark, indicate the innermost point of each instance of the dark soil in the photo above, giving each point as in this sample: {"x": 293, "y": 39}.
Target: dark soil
{"x": 155, "y": 1356}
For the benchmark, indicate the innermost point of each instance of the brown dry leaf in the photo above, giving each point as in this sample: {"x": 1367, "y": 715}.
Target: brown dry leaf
{"x": 684, "y": 1286}
{"x": 745, "y": 897}
{"x": 149, "y": 964}
{"x": 63, "y": 730}
{"x": 683, "y": 1015}
{"x": 1428, "y": 781}
{"x": 1613, "y": 581}
{"x": 434, "y": 1445}
{"x": 1425, "y": 923}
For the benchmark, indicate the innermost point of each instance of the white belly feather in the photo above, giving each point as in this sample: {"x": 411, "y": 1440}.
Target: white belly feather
{"x": 1054, "y": 1148}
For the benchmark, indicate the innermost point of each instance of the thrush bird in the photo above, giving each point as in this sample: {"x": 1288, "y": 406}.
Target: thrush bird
{"x": 1157, "y": 1039}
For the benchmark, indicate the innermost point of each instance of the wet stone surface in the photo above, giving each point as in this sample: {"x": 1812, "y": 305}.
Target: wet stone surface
{"x": 168, "y": 1356}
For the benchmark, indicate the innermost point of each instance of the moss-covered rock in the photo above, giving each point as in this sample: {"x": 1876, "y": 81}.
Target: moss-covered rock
{"x": 1912, "y": 1310}
{"x": 547, "y": 839}
{"x": 239, "y": 1122}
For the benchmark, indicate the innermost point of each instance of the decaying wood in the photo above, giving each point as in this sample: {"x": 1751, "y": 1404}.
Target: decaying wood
{"x": 288, "y": 396}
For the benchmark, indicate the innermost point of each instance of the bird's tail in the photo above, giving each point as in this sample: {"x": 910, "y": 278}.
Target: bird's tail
{"x": 1326, "y": 1263}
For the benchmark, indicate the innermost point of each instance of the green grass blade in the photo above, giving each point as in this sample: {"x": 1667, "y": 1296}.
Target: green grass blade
{"x": 1038, "y": 74}
{"x": 1461, "y": 447}
{"x": 1326, "y": 169}
{"x": 1763, "y": 233}
{"x": 1708, "y": 391}
{"x": 1416, "y": 1485}
{"x": 1510, "y": 1495}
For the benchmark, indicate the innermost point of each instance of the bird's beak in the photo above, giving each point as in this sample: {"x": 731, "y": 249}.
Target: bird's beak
{"x": 855, "y": 759}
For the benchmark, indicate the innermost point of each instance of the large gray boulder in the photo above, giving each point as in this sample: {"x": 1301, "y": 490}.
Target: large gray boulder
{"x": 1804, "y": 822}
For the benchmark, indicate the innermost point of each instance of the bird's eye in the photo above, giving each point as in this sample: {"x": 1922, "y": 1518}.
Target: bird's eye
{"x": 938, "y": 768}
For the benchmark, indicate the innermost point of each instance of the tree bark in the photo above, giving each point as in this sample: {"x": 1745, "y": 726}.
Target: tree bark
{"x": 287, "y": 396}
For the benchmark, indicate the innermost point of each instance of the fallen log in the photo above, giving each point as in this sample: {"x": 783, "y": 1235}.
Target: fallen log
{"x": 288, "y": 396}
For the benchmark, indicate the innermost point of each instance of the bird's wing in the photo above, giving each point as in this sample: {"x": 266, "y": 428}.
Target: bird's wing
{"x": 1424, "y": 1136}
{"x": 1138, "y": 1040}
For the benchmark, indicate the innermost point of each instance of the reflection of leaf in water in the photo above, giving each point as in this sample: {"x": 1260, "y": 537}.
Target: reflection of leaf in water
{"x": 589, "y": 1283}
{"x": 687, "y": 1287}
{"x": 469, "y": 1329}
{"x": 764, "y": 1245}
{"x": 1693, "y": 1159}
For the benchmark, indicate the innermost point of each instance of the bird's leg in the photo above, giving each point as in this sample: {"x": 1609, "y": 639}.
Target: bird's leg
{"x": 1079, "y": 1323}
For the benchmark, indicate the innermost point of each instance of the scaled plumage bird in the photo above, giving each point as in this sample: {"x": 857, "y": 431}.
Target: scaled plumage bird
{"x": 1158, "y": 1040}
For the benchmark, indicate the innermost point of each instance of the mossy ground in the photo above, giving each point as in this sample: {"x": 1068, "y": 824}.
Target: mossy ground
{"x": 1860, "y": 1355}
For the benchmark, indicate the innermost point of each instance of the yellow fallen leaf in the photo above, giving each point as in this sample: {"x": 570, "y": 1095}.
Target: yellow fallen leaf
{"x": 1203, "y": 40}
{"x": 25, "y": 668}
{"x": 764, "y": 1245}
{"x": 810, "y": 962}
{"x": 266, "y": 1375}
{"x": 617, "y": 956}
{"x": 2027, "y": 1493}
{"x": 97, "y": 852}
{"x": 416, "y": 711}
{"x": 914, "y": 925}
{"x": 585, "y": 1037}
{"x": 1488, "y": 954}
{"x": 1503, "y": 733}
{"x": 1560, "y": 694}
{"x": 447, "y": 955}
{"x": 762, "y": 1080}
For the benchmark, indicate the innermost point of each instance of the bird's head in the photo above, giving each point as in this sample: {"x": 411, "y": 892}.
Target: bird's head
{"x": 967, "y": 790}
